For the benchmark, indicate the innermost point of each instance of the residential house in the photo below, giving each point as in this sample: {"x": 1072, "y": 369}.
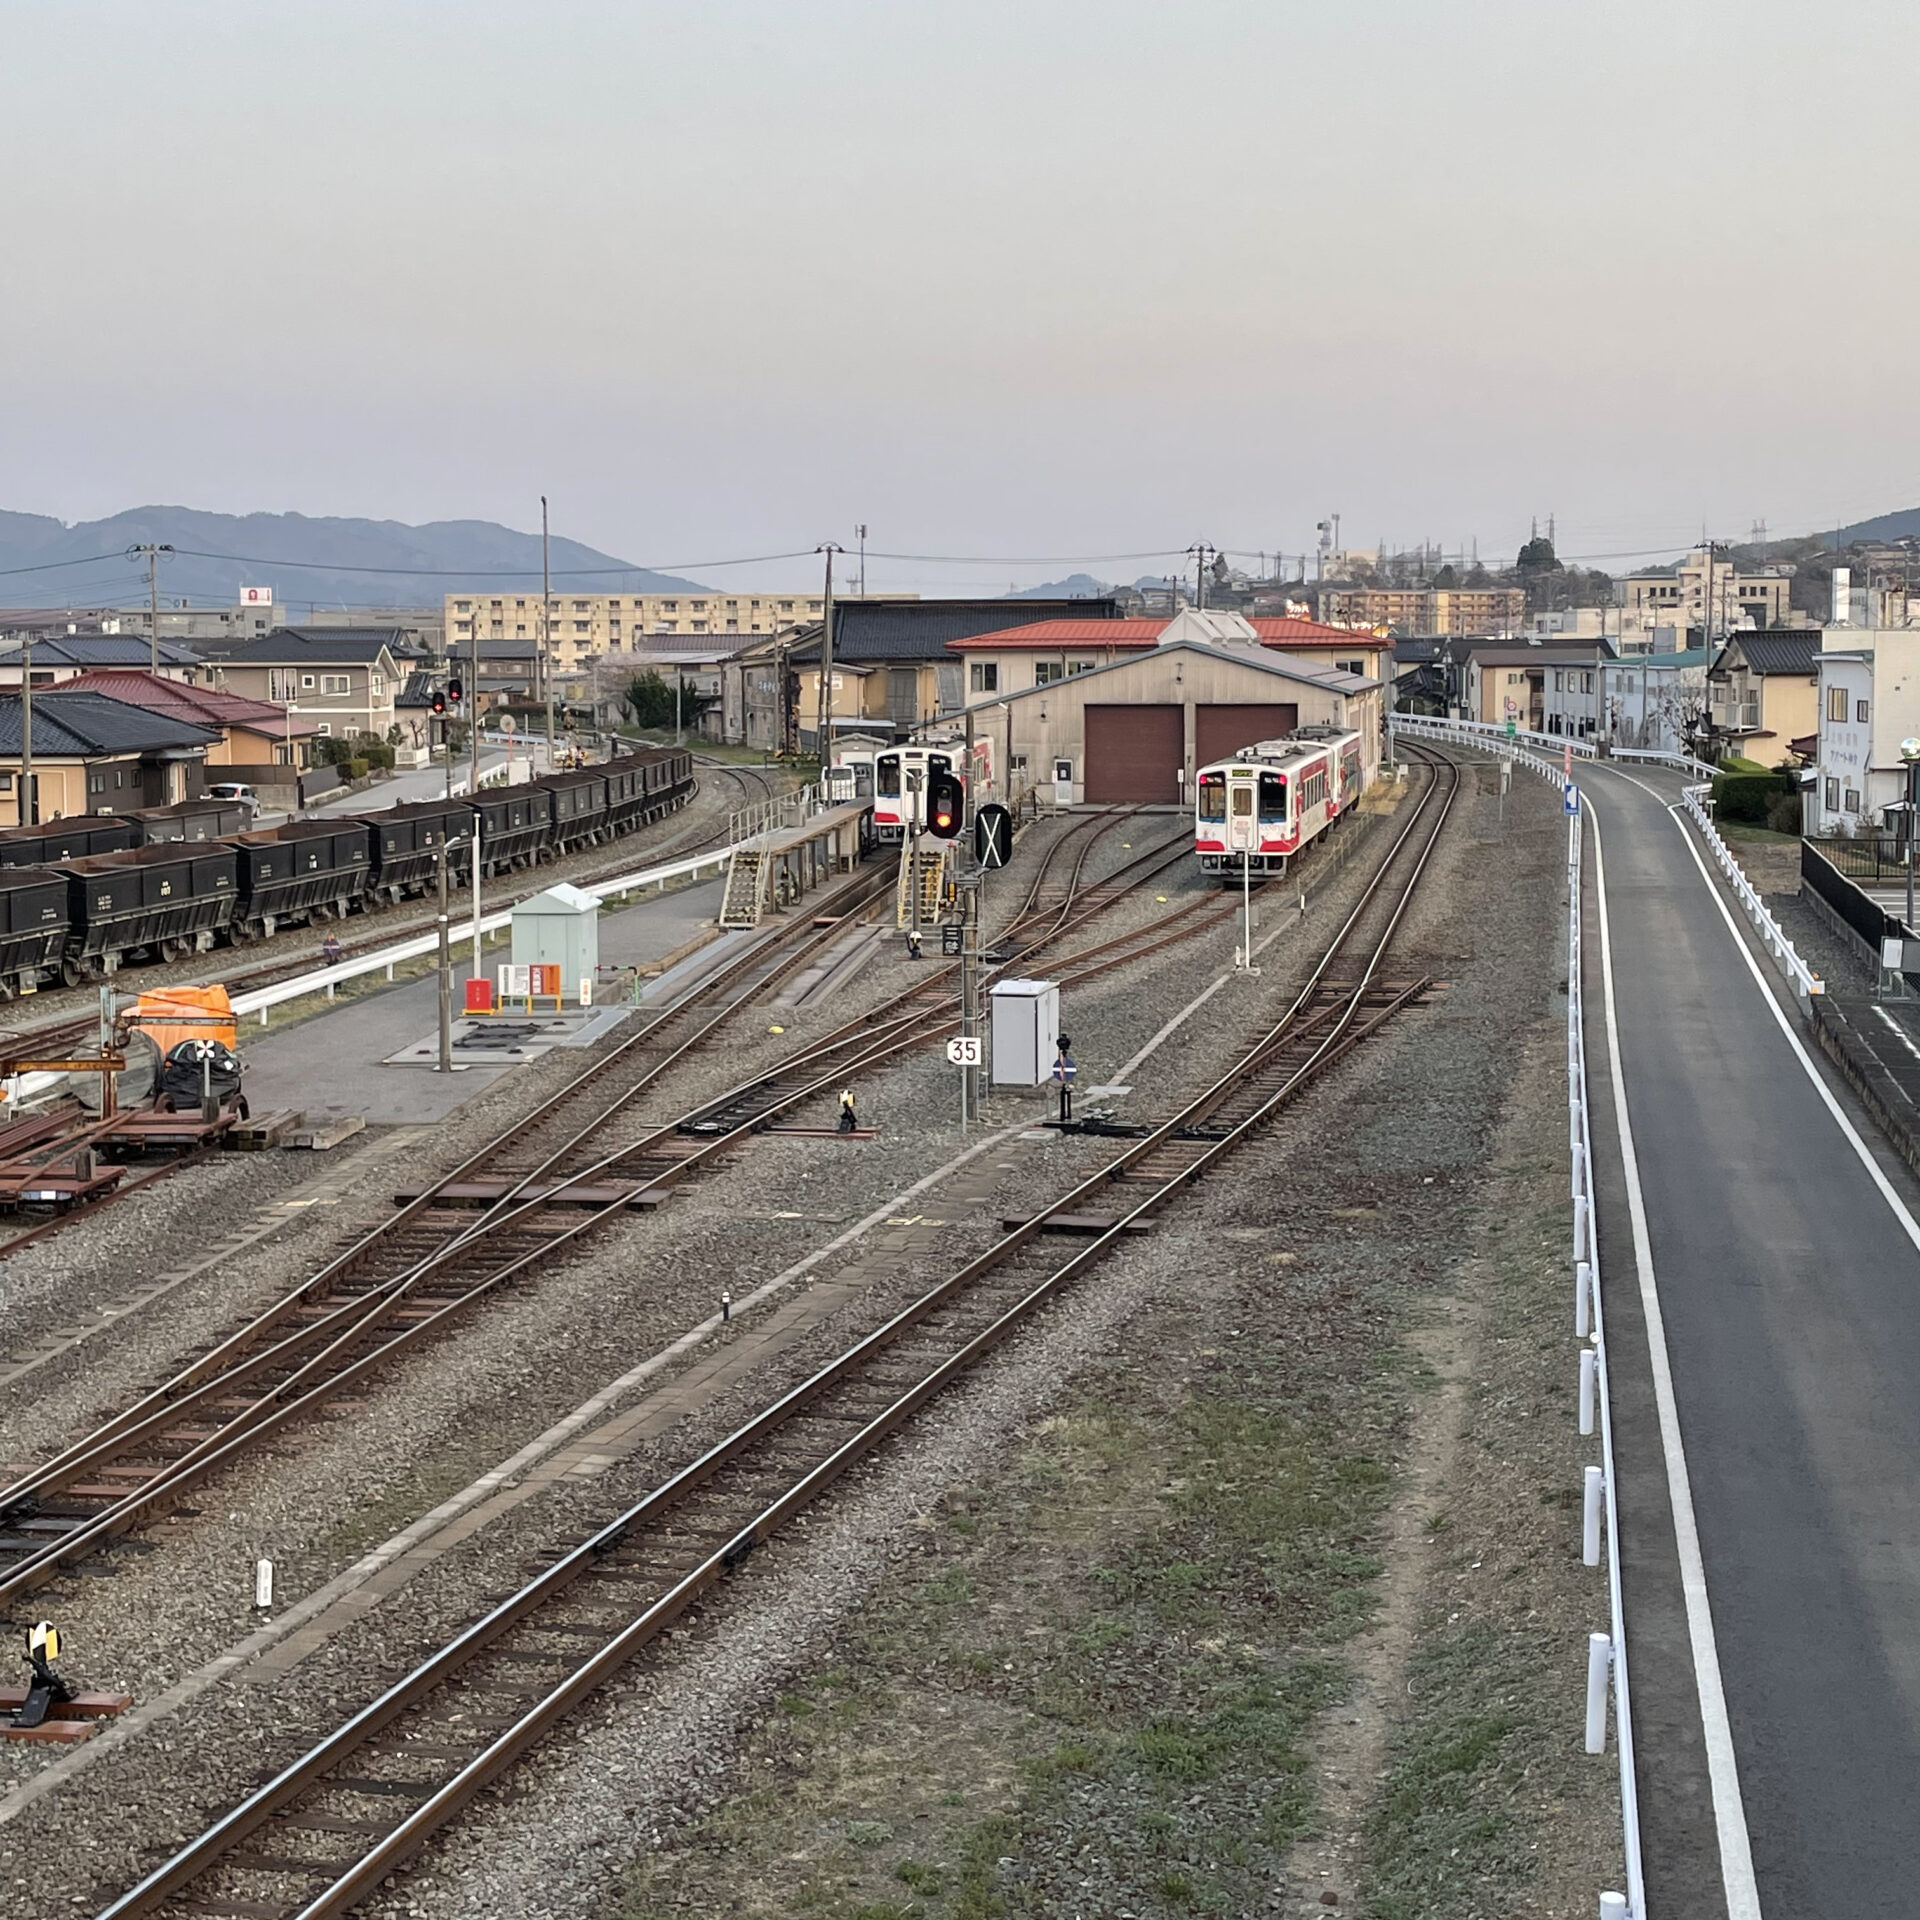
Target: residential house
{"x": 1502, "y": 680}
{"x": 1656, "y": 701}
{"x": 1765, "y": 690}
{"x": 59, "y": 657}
{"x": 92, "y": 754}
{"x": 251, "y": 733}
{"x": 343, "y": 679}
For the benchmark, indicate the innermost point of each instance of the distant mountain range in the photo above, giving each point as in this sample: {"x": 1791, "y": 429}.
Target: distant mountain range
{"x": 1885, "y": 526}
{"x": 1081, "y": 586}
{"x": 327, "y": 563}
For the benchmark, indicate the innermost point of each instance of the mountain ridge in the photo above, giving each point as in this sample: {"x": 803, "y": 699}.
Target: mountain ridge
{"x": 319, "y": 560}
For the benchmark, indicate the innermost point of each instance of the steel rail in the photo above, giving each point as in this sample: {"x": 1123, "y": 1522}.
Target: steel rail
{"x": 321, "y": 1377}
{"x": 358, "y": 1878}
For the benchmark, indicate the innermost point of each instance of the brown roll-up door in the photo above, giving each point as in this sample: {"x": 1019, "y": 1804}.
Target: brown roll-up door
{"x": 1222, "y": 730}
{"x": 1134, "y": 754}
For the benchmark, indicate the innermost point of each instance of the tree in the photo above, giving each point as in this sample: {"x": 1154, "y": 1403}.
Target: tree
{"x": 1537, "y": 556}
{"x": 1446, "y": 578}
{"x": 650, "y": 700}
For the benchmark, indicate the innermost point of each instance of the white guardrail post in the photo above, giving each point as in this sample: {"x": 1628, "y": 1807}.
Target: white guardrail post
{"x": 1806, "y": 983}
{"x": 1600, "y": 1508}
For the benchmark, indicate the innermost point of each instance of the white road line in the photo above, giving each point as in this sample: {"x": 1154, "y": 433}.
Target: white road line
{"x": 1723, "y": 1773}
{"x": 1908, "y": 1225}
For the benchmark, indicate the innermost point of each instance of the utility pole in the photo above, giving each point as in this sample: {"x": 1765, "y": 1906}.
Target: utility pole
{"x": 1201, "y": 554}
{"x": 823, "y": 739}
{"x": 546, "y": 626}
{"x": 25, "y": 809}
{"x": 472, "y": 704}
{"x": 446, "y": 964}
{"x": 151, "y": 553}
{"x": 861, "y": 530}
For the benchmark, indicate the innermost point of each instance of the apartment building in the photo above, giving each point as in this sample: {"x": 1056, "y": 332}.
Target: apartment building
{"x": 1702, "y": 593}
{"x": 585, "y": 626}
{"x": 1443, "y": 610}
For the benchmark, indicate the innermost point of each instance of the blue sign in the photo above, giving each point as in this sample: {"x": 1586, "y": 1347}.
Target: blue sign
{"x": 1064, "y": 1070}
{"x": 1572, "y": 795}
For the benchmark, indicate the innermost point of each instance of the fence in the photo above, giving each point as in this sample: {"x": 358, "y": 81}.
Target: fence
{"x": 1805, "y": 981}
{"x": 767, "y": 816}
{"x": 1485, "y": 733}
{"x": 1881, "y": 858}
{"x": 1606, "y": 1652}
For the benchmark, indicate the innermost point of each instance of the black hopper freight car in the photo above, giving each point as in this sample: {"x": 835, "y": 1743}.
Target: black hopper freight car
{"x": 33, "y": 926}
{"x": 406, "y": 843}
{"x": 54, "y": 842}
{"x": 169, "y": 899}
{"x": 310, "y": 870}
{"x": 516, "y": 828}
{"x": 579, "y": 807}
{"x": 190, "y": 820}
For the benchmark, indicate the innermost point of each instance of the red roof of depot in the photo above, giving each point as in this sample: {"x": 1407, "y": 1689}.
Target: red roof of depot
{"x": 1311, "y": 633}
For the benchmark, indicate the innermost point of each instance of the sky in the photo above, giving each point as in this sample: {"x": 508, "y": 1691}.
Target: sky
{"x": 1023, "y": 288}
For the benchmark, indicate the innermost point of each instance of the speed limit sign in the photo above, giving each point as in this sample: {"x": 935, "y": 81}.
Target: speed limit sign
{"x": 964, "y": 1053}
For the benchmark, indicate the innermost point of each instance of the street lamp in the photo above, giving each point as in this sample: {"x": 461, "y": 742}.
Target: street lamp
{"x": 1910, "y": 753}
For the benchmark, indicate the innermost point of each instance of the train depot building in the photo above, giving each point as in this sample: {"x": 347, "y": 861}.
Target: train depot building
{"x": 1125, "y": 719}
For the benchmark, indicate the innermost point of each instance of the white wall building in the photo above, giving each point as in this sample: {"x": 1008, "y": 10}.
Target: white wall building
{"x": 1572, "y": 701}
{"x": 1654, "y": 700}
{"x": 1869, "y": 702}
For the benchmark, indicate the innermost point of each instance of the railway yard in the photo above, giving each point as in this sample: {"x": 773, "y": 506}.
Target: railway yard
{"x": 678, "y": 1506}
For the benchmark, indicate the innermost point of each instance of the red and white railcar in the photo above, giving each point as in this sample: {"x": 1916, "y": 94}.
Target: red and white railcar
{"x": 1255, "y": 811}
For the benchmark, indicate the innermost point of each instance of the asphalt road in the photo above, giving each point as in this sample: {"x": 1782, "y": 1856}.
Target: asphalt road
{"x": 1790, "y": 1291}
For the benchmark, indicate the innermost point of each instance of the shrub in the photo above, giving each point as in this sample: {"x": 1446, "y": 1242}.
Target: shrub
{"x": 357, "y": 767}
{"x": 1749, "y": 796}
{"x": 1784, "y": 814}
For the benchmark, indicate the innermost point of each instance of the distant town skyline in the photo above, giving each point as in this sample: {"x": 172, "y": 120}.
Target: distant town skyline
{"x": 1029, "y": 286}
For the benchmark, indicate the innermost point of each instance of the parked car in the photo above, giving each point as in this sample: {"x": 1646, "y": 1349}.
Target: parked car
{"x": 235, "y": 790}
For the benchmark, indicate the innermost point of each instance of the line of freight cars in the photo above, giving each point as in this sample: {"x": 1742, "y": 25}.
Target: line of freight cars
{"x": 81, "y": 898}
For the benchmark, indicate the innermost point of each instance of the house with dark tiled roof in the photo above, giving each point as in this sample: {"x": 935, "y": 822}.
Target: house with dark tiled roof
{"x": 92, "y": 754}
{"x": 59, "y": 657}
{"x": 252, "y": 733}
{"x": 1765, "y": 690}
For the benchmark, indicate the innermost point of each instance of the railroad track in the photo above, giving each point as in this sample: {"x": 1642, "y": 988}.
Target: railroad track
{"x": 326, "y": 1832}
{"x": 564, "y": 1170}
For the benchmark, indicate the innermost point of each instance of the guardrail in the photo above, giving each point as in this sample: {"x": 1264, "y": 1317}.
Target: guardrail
{"x": 768, "y": 816}
{"x": 1484, "y": 731}
{"x": 1606, "y": 1652}
{"x": 324, "y": 979}
{"x": 1485, "y": 739}
{"x": 1805, "y": 981}
{"x": 1660, "y": 757}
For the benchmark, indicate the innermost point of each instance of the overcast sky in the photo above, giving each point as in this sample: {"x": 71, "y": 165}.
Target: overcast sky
{"x": 1054, "y": 280}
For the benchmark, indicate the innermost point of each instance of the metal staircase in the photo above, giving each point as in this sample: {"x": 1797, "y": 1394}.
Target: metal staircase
{"x": 745, "y": 898}
{"x": 928, "y": 871}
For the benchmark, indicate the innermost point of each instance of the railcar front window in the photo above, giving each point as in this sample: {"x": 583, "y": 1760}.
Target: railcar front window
{"x": 1213, "y": 797}
{"x": 1273, "y": 796}
{"x": 889, "y": 787}
{"x": 1243, "y": 800}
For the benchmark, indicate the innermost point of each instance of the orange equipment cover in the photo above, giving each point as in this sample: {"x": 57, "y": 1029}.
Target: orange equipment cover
{"x": 172, "y": 1014}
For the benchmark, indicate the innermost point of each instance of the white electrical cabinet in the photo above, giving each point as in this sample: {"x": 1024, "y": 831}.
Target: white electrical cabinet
{"x": 1026, "y": 1031}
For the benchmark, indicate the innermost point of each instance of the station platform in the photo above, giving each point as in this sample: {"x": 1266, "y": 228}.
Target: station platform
{"x": 1761, "y": 1254}
{"x": 781, "y": 866}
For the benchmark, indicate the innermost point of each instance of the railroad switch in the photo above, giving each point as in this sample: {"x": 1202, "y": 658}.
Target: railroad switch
{"x": 46, "y": 1689}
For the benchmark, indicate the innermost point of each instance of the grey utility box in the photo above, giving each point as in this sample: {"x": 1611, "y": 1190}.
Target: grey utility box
{"x": 1026, "y": 1031}
{"x": 559, "y": 928}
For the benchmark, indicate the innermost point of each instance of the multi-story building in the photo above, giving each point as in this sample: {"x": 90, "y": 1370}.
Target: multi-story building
{"x": 1869, "y": 701}
{"x": 1653, "y": 700}
{"x": 584, "y": 626}
{"x": 1446, "y": 610}
{"x": 1704, "y": 594}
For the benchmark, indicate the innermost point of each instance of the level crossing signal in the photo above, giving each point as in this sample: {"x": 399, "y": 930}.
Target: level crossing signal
{"x": 439, "y": 701}
{"x": 946, "y": 805}
{"x": 993, "y": 835}
{"x": 455, "y": 691}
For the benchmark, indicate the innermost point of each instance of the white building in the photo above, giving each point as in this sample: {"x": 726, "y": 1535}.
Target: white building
{"x": 1571, "y": 700}
{"x": 1654, "y": 700}
{"x": 1869, "y": 702}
